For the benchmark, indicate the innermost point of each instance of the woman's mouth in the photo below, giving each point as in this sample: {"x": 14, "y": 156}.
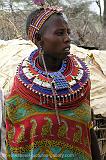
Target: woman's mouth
{"x": 67, "y": 50}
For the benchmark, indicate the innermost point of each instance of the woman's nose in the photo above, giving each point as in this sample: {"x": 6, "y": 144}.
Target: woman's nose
{"x": 67, "y": 38}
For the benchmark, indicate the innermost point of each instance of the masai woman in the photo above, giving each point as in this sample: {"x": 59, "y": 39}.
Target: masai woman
{"x": 48, "y": 115}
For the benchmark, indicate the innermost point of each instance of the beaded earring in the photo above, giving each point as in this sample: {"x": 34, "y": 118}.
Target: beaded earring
{"x": 51, "y": 84}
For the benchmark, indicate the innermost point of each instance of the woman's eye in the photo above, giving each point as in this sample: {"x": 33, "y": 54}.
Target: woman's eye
{"x": 60, "y": 33}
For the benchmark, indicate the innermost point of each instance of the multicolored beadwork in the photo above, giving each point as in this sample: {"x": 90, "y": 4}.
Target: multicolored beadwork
{"x": 33, "y": 131}
{"x": 70, "y": 83}
{"x": 36, "y": 25}
{"x": 32, "y": 128}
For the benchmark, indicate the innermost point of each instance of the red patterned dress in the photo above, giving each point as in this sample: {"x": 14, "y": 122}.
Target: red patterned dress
{"x": 32, "y": 126}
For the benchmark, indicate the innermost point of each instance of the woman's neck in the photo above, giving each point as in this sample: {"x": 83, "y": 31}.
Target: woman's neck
{"x": 52, "y": 64}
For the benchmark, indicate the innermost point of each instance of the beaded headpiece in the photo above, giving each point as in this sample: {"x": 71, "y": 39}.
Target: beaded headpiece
{"x": 38, "y": 22}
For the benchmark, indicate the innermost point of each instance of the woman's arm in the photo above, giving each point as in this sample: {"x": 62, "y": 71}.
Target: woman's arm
{"x": 94, "y": 146}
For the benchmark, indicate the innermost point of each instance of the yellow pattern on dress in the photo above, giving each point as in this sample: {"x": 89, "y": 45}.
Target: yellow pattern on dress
{"x": 11, "y": 133}
{"x": 78, "y": 134}
{"x": 33, "y": 129}
{"x": 22, "y": 134}
{"x": 63, "y": 129}
{"x": 46, "y": 129}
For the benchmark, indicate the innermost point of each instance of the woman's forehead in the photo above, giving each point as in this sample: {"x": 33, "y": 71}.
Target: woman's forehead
{"x": 56, "y": 22}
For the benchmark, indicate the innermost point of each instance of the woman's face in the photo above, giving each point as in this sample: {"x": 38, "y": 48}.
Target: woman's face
{"x": 55, "y": 40}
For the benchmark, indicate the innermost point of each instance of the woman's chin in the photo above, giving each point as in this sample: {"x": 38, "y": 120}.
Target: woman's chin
{"x": 65, "y": 55}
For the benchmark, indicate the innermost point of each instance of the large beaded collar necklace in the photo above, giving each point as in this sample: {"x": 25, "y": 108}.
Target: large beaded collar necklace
{"x": 70, "y": 83}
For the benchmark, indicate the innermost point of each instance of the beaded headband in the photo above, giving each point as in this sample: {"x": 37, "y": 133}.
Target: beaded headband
{"x": 36, "y": 25}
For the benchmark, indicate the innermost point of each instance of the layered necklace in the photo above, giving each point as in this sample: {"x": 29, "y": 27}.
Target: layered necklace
{"x": 63, "y": 89}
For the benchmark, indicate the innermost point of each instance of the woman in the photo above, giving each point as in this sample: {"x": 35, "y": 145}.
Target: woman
{"x": 48, "y": 113}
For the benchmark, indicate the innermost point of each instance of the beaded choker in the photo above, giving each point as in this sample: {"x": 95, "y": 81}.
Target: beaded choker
{"x": 59, "y": 80}
{"x": 70, "y": 83}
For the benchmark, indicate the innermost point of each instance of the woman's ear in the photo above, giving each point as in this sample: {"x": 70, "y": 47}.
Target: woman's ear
{"x": 37, "y": 39}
